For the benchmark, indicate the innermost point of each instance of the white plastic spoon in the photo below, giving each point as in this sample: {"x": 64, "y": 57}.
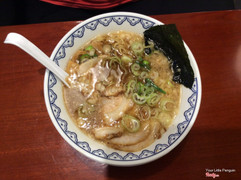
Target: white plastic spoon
{"x": 34, "y": 51}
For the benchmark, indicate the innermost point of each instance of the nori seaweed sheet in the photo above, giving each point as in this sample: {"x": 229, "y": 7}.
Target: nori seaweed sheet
{"x": 168, "y": 40}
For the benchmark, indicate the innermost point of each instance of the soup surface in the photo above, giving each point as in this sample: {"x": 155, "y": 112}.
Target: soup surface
{"x": 119, "y": 95}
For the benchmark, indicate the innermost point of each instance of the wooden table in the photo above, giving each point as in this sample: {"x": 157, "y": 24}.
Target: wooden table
{"x": 31, "y": 148}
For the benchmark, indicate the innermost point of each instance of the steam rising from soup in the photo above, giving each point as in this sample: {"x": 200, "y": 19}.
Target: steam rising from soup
{"x": 120, "y": 95}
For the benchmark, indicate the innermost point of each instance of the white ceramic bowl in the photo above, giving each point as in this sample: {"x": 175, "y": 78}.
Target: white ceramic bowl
{"x": 80, "y": 34}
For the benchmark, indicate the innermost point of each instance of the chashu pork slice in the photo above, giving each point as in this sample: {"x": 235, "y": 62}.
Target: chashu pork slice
{"x": 103, "y": 133}
{"x": 113, "y": 108}
{"x": 132, "y": 138}
{"x": 154, "y": 133}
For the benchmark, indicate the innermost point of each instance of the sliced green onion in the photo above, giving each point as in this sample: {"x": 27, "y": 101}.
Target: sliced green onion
{"x": 130, "y": 87}
{"x": 83, "y": 58}
{"x": 145, "y": 90}
{"x": 167, "y": 104}
{"x": 130, "y": 123}
{"x": 145, "y": 65}
{"x": 137, "y": 48}
{"x": 149, "y": 82}
{"x": 149, "y": 91}
{"x": 138, "y": 99}
{"x": 140, "y": 88}
{"x": 88, "y": 48}
{"x": 143, "y": 75}
{"x": 144, "y": 113}
{"x": 135, "y": 69}
{"x": 153, "y": 99}
{"x": 126, "y": 59}
{"x": 92, "y": 52}
{"x": 142, "y": 93}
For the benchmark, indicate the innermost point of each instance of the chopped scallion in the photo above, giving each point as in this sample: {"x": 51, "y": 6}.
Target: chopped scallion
{"x": 153, "y": 99}
{"x": 143, "y": 75}
{"x": 138, "y": 99}
{"x": 137, "y": 48}
{"x": 88, "y": 48}
{"x": 83, "y": 58}
{"x": 144, "y": 63}
{"x": 135, "y": 69}
{"x": 130, "y": 87}
{"x": 149, "y": 82}
{"x": 130, "y": 123}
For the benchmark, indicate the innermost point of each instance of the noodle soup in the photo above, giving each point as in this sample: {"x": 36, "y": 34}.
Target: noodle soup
{"x": 120, "y": 95}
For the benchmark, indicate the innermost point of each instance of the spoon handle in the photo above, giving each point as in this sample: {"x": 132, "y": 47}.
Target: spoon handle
{"x": 35, "y": 52}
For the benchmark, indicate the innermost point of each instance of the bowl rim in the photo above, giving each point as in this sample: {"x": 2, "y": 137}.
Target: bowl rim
{"x": 109, "y": 161}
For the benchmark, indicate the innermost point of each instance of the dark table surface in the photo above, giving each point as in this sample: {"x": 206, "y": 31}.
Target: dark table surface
{"x": 31, "y": 148}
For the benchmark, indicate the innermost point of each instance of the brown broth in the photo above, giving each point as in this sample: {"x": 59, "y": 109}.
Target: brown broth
{"x": 97, "y": 100}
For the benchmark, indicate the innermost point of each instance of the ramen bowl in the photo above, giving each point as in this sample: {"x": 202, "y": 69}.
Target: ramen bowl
{"x": 68, "y": 45}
